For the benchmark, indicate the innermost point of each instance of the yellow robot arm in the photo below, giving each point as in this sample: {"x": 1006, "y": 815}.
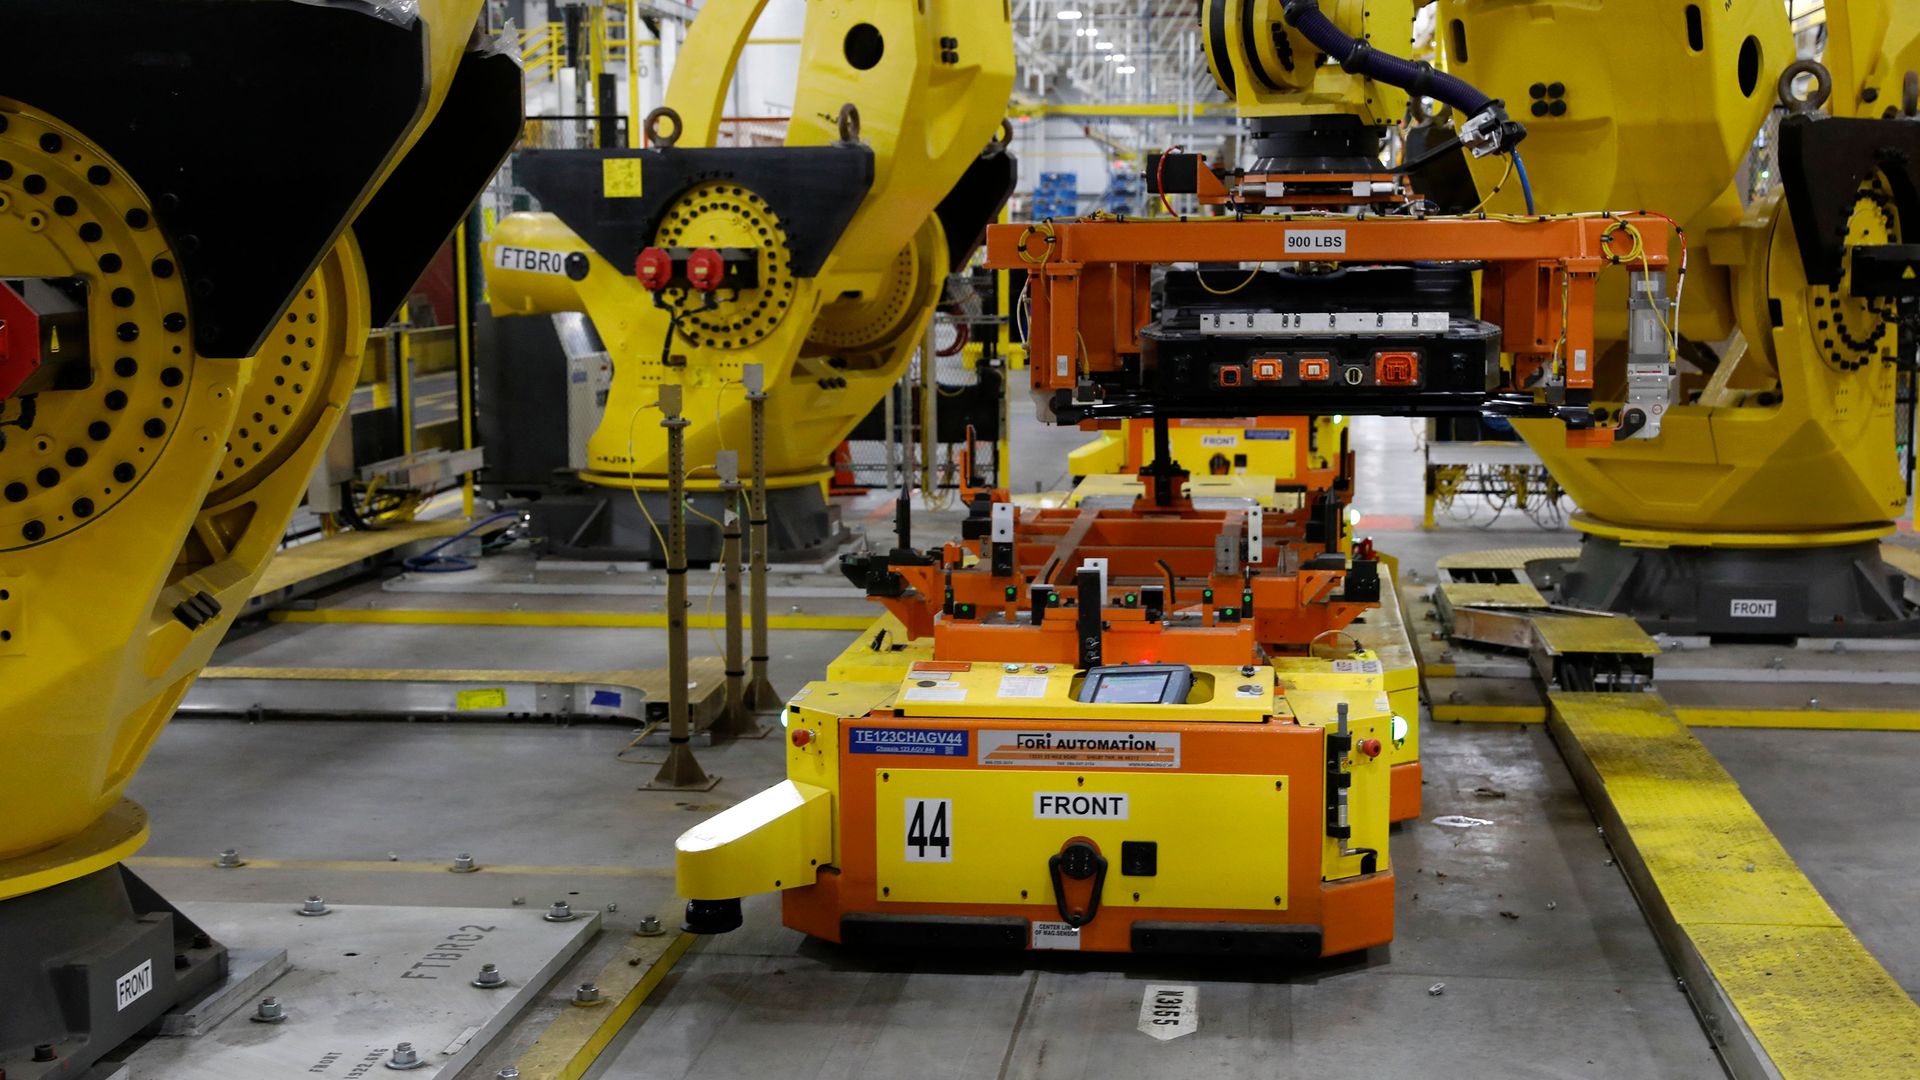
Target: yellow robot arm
{"x": 190, "y": 334}
{"x": 840, "y": 240}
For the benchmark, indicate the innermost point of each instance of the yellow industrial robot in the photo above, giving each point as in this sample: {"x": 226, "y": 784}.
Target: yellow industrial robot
{"x": 831, "y": 252}
{"x": 196, "y": 237}
{"x": 1787, "y": 454}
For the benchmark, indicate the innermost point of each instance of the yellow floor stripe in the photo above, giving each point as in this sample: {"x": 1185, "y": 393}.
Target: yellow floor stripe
{"x": 577, "y": 1037}
{"x": 1822, "y": 719}
{"x": 594, "y": 619}
{"x": 380, "y": 866}
{"x": 1491, "y": 714}
{"x": 1702, "y": 716}
{"x": 701, "y": 669}
{"x": 1817, "y": 1002}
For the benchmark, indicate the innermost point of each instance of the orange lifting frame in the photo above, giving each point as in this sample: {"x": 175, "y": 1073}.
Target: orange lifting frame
{"x": 1092, "y": 297}
{"x": 1291, "y": 604}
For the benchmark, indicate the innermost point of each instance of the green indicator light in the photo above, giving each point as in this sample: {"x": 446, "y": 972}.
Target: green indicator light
{"x": 1207, "y": 595}
{"x": 1009, "y": 592}
{"x": 1131, "y": 599}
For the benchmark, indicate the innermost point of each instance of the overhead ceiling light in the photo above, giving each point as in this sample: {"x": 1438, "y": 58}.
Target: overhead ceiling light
{"x": 1117, "y": 58}
{"x": 1125, "y": 69}
{"x": 1067, "y": 13}
{"x": 1103, "y": 44}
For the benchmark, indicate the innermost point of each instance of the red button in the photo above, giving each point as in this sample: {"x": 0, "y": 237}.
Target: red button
{"x": 654, "y": 268}
{"x": 705, "y": 269}
{"x": 802, "y": 736}
{"x": 1370, "y": 747}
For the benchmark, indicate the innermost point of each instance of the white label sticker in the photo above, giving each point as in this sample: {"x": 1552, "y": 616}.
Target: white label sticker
{"x": 530, "y": 260}
{"x": 1753, "y": 609}
{"x": 1221, "y": 441}
{"x": 1081, "y": 749}
{"x": 133, "y": 986}
{"x": 1023, "y": 686}
{"x": 941, "y": 691}
{"x": 1168, "y": 1012}
{"x": 1316, "y": 241}
{"x": 1363, "y": 667}
{"x": 929, "y": 830}
{"x": 1087, "y": 805}
{"x": 1055, "y": 935}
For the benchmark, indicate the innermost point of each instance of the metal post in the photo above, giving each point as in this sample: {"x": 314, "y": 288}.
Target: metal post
{"x": 634, "y": 115}
{"x": 736, "y": 721}
{"x": 464, "y": 245}
{"x": 680, "y": 770}
{"x": 929, "y": 416}
{"x": 761, "y": 696}
{"x": 905, "y": 421}
{"x": 887, "y": 439}
{"x": 400, "y": 345}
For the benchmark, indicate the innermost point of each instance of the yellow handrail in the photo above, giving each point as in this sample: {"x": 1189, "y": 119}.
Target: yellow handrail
{"x": 543, "y": 50}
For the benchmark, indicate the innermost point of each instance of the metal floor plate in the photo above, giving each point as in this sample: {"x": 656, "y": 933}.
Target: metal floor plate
{"x": 364, "y": 979}
{"x": 1780, "y": 981}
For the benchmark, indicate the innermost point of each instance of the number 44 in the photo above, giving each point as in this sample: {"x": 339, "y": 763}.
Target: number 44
{"x": 929, "y": 830}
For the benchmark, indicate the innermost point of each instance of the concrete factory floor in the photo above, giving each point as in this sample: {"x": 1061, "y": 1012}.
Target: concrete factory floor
{"x": 1546, "y": 964}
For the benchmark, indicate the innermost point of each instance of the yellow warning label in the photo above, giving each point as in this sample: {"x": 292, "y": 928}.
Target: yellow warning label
{"x": 490, "y": 698}
{"x": 1909, "y": 275}
{"x": 620, "y": 178}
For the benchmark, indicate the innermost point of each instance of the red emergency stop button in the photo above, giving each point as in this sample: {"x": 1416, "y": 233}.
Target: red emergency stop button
{"x": 654, "y": 268}
{"x": 1370, "y": 747}
{"x": 706, "y": 269}
{"x": 801, "y": 737}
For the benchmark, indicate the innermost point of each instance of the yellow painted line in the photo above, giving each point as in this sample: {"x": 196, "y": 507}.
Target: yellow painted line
{"x": 1727, "y": 900}
{"x": 383, "y": 866}
{"x": 1438, "y": 671}
{"x": 578, "y": 1036}
{"x": 1821, "y": 720}
{"x": 1490, "y": 714}
{"x": 596, "y": 619}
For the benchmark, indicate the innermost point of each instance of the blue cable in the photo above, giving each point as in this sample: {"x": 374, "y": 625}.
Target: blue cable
{"x": 430, "y": 562}
{"x": 1526, "y": 185}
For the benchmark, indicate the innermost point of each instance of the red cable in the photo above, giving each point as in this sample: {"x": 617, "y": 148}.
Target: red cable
{"x": 961, "y": 335}
{"x": 1160, "y": 177}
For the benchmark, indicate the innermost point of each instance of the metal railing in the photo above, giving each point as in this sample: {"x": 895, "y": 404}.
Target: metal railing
{"x": 543, "y": 51}
{"x": 574, "y": 133}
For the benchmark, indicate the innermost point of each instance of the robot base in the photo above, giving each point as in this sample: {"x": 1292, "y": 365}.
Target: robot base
{"x": 89, "y": 963}
{"x": 607, "y": 524}
{"x": 1844, "y": 590}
